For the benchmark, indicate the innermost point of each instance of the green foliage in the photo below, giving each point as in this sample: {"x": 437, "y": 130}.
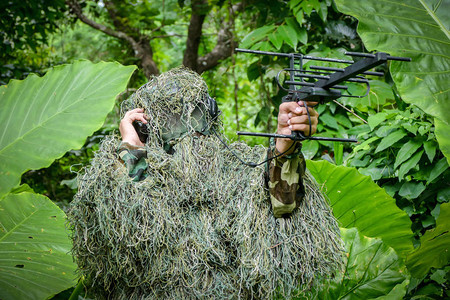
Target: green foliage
{"x": 297, "y": 25}
{"x": 58, "y": 182}
{"x": 434, "y": 286}
{"x": 373, "y": 271}
{"x": 400, "y": 152}
{"x": 412, "y": 169}
{"x": 54, "y": 113}
{"x": 434, "y": 251}
{"x": 358, "y": 202}
{"x": 443, "y": 137}
{"x": 422, "y": 25}
{"x": 401, "y": 148}
{"x": 77, "y": 41}
{"x": 25, "y": 27}
{"x": 43, "y": 118}
{"x": 34, "y": 246}
{"x": 27, "y": 23}
{"x": 301, "y": 26}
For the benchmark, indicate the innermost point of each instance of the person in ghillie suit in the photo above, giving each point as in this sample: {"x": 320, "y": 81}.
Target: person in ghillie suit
{"x": 178, "y": 216}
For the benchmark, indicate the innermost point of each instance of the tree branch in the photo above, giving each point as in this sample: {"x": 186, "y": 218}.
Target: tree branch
{"x": 224, "y": 45}
{"x": 221, "y": 51}
{"x": 76, "y": 8}
{"x": 141, "y": 48}
{"x": 118, "y": 21}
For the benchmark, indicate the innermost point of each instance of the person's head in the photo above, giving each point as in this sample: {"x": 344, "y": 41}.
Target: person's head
{"x": 177, "y": 104}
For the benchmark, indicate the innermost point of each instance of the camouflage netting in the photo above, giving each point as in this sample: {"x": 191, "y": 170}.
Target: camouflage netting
{"x": 199, "y": 226}
{"x": 176, "y": 105}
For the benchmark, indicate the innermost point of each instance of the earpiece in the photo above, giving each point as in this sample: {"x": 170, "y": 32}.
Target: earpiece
{"x": 212, "y": 107}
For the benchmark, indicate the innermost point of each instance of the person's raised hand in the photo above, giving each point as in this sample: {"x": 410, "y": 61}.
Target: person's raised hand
{"x": 292, "y": 116}
{"x": 127, "y": 130}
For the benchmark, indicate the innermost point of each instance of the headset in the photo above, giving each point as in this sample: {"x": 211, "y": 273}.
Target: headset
{"x": 211, "y": 107}
{"x": 214, "y": 113}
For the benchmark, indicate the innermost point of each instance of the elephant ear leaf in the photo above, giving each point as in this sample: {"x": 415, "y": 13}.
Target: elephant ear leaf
{"x": 434, "y": 250}
{"x": 34, "y": 248}
{"x": 418, "y": 29}
{"x": 44, "y": 117}
{"x": 373, "y": 271}
{"x": 359, "y": 202}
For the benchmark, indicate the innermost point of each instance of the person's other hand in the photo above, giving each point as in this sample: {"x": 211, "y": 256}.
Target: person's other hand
{"x": 292, "y": 116}
{"x": 127, "y": 131}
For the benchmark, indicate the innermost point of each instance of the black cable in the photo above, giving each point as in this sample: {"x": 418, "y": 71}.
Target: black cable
{"x": 309, "y": 117}
{"x": 250, "y": 164}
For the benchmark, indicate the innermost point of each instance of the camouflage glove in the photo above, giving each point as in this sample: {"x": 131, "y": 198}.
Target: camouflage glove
{"x": 286, "y": 181}
{"x": 134, "y": 159}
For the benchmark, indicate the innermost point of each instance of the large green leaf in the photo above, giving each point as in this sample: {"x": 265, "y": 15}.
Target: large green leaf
{"x": 434, "y": 250}
{"x": 34, "y": 248}
{"x": 373, "y": 271}
{"x": 358, "y": 202}
{"x": 418, "y": 29}
{"x": 44, "y": 117}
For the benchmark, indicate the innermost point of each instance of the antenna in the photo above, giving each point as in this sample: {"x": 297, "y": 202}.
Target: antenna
{"x": 322, "y": 84}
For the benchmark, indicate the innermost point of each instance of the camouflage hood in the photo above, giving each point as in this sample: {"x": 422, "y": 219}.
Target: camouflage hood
{"x": 177, "y": 104}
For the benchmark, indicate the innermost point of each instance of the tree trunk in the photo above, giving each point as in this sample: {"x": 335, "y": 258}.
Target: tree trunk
{"x": 199, "y": 11}
{"x": 140, "y": 44}
{"x": 148, "y": 65}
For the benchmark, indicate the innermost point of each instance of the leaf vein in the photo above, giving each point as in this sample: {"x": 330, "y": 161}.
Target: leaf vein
{"x": 435, "y": 18}
{"x": 408, "y": 35}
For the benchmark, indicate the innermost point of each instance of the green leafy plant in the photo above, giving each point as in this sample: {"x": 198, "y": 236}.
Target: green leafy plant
{"x": 372, "y": 270}
{"x": 27, "y": 25}
{"x": 291, "y": 24}
{"x": 434, "y": 250}
{"x": 416, "y": 29}
{"x": 358, "y": 202}
{"x": 53, "y": 114}
{"x": 400, "y": 152}
{"x": 433, "y": 286}
{"x": 34, "y": 245}
{"x": 43, "y": 118}
{"x": 309, "y": 27}
{"x": 59, "y": 181}
{"x": 429, "y": 264}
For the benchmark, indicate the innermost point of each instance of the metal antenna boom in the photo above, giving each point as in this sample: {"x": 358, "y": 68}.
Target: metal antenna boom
{"x": 327, "y": 86}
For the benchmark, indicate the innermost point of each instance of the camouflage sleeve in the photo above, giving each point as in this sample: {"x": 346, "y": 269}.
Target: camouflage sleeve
{"x": 285, "y": 180}
{"x": 133, "y": 158}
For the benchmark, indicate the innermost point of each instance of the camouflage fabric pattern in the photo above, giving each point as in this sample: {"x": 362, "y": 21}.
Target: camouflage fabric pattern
{"x": 286, "y": 181}
{"x": 284, "y": 176}
{"x": 134, "y": 159}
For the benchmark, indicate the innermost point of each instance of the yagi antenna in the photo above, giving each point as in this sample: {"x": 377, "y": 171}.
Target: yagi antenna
{"x": 322, "y": 84}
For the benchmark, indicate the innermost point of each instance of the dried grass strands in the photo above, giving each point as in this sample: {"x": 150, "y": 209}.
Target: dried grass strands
{"x": 199, "y": 227}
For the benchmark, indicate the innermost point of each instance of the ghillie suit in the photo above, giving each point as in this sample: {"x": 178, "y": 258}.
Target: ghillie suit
{"x": 200, "y": 225}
